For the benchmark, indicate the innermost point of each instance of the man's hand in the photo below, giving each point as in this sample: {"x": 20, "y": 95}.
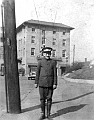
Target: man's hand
{"x": 54, "y": 86}
{"x": 36, "y": 85}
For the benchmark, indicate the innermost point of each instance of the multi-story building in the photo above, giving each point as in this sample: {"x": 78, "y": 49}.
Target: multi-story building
{"x": 2, "y": 54}
{"x": 32, "y": 35}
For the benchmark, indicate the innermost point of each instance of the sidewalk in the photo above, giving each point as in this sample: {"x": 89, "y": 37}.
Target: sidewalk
{"x": 30, "y": 105}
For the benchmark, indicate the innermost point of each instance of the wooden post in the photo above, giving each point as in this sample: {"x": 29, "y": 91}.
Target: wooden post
{"x": 10, "y": 58}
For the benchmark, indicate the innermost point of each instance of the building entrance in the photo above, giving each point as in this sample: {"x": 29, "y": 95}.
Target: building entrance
{"x": 63, "y": 69}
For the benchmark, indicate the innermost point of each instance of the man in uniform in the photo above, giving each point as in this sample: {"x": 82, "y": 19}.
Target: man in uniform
{"x": 46, "y": 79}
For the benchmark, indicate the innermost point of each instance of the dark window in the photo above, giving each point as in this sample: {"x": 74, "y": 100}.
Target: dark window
{"x": 33, "y": 39}
{"x": 66, "y": 59}
{"x": 43, "y": 40}
{"x": 64, "y": 42}
{"x": 63, "y": 53}
{"x": 54, "y": 41}
{"x": 32, "y": 51}
{"x": 54, "y": 32}
{"x": 43, "y": 32}
{"x": 33, "y": 29}
{"x": 54, "y": 53}
{"x": 64, "y": 33}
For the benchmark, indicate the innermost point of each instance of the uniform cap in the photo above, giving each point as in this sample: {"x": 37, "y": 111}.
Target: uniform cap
{"x": 47, "y": 49}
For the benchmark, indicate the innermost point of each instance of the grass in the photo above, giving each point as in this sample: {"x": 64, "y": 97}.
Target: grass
{"x": 84, "y": 73}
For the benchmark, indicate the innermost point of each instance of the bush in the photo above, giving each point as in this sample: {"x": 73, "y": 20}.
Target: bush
{"x": 74, "y": 67}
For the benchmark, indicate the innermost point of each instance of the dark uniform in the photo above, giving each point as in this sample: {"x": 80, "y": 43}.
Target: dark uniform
{"x": 46, "y": 77}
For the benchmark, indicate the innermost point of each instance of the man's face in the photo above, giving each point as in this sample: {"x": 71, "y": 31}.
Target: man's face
{"x": 47, "y": 55}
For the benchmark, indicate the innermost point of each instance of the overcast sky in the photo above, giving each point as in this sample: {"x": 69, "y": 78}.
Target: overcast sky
{"x": 78, "y": 14}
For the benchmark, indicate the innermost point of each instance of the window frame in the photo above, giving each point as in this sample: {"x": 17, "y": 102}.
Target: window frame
{"x": 54, "y": 53}
{"x": 32, "y": 51}
{"x": 33, "y": 39}
{"x": 33, "y": 29}
{"x": 43, "y": 40}
{"x": 54, "y": 32}
{"x": 64, "y": 42}
{"x": 54, "y": 41}
{"x": 63, "y": 53}
{"x": 43, "y": 32}
{"x": 64, "y": 32}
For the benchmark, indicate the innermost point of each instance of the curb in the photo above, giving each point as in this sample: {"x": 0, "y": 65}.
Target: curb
{"x": 78, "y": 80}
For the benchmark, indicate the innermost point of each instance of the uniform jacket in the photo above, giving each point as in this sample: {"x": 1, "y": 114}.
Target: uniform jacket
{"x": 46, "y": 75}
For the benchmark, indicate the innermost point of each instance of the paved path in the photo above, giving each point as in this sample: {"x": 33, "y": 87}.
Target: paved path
{"x": 71, "y": 101}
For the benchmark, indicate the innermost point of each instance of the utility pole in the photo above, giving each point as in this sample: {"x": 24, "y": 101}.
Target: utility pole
{"x": 10, "y": 57}
{"x": 73, "y": 54}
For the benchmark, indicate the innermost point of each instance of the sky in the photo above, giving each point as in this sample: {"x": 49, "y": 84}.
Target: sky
{"x": 78, "y": 14}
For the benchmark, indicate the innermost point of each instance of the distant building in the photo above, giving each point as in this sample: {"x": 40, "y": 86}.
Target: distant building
{"x": 32, "y": 35}
{"x": 2, "y": 54}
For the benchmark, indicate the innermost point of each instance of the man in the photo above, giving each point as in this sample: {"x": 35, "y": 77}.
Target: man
{"x": 46, "y": 79}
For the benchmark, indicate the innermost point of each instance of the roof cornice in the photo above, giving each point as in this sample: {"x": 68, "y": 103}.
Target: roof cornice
{"x": 44, "y": 23}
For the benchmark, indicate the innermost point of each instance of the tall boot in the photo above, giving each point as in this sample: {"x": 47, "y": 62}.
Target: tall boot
{"x": 48, "y": 109}
{"x": 42, "y": 111}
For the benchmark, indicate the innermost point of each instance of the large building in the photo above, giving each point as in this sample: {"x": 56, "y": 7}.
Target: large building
{"x": 33, "y": 35}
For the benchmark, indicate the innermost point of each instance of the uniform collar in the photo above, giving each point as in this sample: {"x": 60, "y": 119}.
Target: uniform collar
{"x": 47, "y": 59}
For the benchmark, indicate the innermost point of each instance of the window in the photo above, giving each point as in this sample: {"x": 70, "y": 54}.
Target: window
{"x": 33, "y": 29}
{"x": 32, "y": 51}
{"x": 54, "y": 32}
{"x": 43, "y": 40}
{"x": 63, "y": 53}
{"x": 66, "y": 59}
{"x": 54, "y": 41}
{"x": 43, "y": 32}
{"x": 64, "y": 32}
{"x": 64, "y": 42}
{"x": 33, "y": 39}
{"x": 53, "y": 53}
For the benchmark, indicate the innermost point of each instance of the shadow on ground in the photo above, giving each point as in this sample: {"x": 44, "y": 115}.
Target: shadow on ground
{"x": 31, "y": 108}
{"x": 67, "y": 110}
{"x": 62, "y": 111}
{"x": 74, "y": 98}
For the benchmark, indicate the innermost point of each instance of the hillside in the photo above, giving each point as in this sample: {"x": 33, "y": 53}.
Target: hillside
{"x": 84, "y": 73}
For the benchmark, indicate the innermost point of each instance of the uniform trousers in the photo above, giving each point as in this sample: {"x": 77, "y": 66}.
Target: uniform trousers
{"x": 45, "y": 94}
